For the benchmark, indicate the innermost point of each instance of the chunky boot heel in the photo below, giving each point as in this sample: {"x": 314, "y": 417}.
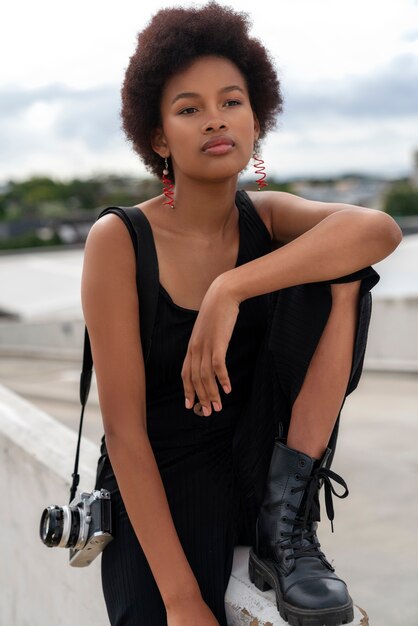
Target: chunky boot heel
{"x": 257, "y": 577}
{"x": 287, "y": 555}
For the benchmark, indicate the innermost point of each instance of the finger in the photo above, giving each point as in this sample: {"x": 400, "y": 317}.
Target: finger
{"x": 219, "y": 367}
{"x": 196, "y": 377}
{"x": 198, "y": 384}
{"x": 207, "y": 374}
{"x": 186, "y": 375}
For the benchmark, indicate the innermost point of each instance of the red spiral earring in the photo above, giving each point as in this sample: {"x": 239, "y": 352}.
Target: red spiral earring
{"x": 259, "y": 169}
{"x": 168, "y": 186}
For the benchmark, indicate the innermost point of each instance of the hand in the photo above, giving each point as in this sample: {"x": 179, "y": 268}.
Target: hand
{"x": 207, "y": 348}
{"x": 192, "y": 613}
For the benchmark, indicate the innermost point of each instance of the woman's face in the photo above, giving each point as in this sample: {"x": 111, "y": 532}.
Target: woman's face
{"x": 207, "y": 102}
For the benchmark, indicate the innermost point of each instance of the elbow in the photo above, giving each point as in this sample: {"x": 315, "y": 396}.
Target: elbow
{"x": 124, "y": 436}
{"x": 123, "y": 450}
{"x": 387, "y": 231}
{"x": 393, "y": 231}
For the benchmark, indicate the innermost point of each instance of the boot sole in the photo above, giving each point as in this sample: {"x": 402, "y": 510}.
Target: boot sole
{"x": 264, "y": 578}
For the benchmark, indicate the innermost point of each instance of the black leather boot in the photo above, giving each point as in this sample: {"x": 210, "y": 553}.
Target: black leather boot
{"x": 287, "y": 555}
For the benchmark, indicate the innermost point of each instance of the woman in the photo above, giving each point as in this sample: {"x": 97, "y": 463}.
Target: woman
{"x": 198, "y": 95}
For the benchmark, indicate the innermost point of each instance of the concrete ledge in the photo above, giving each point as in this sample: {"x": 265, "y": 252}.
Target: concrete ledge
{"x": 36, "y": 461}
{"x": 36, "y": 458}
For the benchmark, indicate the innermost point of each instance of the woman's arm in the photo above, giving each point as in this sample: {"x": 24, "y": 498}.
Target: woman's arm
{"x": 325, "y": 241}
{"x": 111, "y": 312}
{"x": 322, "y": 244}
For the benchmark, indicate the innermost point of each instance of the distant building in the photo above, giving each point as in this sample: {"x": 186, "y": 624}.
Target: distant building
{"x": 357, "y": 190}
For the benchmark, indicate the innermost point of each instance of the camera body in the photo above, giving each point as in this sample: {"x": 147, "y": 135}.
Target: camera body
{"x": 84, "y": 526}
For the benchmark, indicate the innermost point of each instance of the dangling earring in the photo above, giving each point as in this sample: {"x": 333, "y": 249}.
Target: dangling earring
{"x": 168, "y": 186}
{"x": 259, "y": 168}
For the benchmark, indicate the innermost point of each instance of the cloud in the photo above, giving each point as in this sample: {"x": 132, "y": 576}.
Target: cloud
{"x": 365, "y": 123}
{"x": 70, "y": 131}
{"x": 89, "y": 115}
{"x": 391, "y": 92}
{"x": 59, "y": 129}
{"x": 411, "y": 35}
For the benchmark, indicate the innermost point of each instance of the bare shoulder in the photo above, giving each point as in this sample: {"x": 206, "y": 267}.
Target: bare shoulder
{"x": 108, "y": 230}
{"x": 108, "y": 295}
{"x": 109, "y": 266}
{"x": 109, "y": 245}
{"x": 289, "y": 215}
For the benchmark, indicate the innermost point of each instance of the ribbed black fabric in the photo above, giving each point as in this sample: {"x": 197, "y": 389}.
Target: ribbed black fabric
{"x": 214, "y": 469}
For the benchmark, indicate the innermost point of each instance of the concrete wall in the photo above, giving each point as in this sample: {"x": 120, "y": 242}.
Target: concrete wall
{"x": 392, "y": 342}
{"x": 393, "y": 335}
{"x": 37, "y": 586}
{"x": 56, "y": 337}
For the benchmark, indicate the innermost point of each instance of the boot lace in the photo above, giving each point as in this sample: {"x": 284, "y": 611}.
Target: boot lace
{"x": 303, "y": 526}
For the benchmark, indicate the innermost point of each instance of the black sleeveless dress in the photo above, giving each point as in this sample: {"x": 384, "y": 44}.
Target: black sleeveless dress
{"x": 194, "y": 453}
{"x": 214, "y": 468}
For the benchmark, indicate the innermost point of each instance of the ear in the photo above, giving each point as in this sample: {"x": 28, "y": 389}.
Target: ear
{"x": 256, "y": 127}
{"x": 159, "y": 143}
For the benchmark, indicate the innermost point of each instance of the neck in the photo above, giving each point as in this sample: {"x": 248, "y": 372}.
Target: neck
{"x": 204, "y": 209}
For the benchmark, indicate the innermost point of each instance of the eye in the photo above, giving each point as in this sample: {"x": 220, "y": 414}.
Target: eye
{"x": 188, "y": 109}
{"x": 228, "y": 102}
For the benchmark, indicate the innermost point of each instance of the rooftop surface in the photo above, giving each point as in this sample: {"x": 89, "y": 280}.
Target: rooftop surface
{"x": 45, "y": 283}
{"x": 374, "y": 544}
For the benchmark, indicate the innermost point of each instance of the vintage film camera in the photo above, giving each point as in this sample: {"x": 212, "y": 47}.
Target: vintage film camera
{"x": 84, "y": 526}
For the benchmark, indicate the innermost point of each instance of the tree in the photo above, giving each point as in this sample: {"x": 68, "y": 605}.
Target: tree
{"x": 401, "y": 200}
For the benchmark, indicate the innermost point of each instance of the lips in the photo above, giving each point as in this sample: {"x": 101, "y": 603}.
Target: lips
{"x": 218, "y": 141}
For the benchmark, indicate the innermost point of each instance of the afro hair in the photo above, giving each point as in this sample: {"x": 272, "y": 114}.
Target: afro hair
{"x": 170, "y": 42}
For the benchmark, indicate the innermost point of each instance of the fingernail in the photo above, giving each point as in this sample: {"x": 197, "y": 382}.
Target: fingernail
{"x": 206, "y": 411}
{"x": 216, "y": 406}
{"x": 188, "y": 404}
{"x": 226, "y": 388}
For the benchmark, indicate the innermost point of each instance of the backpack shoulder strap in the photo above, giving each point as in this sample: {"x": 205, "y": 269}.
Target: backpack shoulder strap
{"x": 147, "y": 281}
{"x": 147, "y": 275}
{"x": 257, "y": 225}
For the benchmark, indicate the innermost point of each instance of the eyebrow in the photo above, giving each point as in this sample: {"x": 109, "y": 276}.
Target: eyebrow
{"x": 192, "y": 94}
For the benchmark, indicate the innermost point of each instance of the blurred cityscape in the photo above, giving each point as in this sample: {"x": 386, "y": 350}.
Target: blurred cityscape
{"x": 42, "y": 211}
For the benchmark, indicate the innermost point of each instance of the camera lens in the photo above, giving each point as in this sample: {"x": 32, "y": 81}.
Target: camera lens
{"x": 52, "y": 525}
{"x": 60, "y": 526}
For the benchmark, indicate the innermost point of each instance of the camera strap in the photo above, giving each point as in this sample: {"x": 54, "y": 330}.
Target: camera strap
{"x": 147, "y": 287}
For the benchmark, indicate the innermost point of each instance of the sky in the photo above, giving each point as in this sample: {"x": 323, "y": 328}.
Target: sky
{"x": 348, "y": 73}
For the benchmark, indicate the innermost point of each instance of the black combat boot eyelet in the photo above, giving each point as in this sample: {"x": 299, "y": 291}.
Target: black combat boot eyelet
{"x": 284, "y": 518}
{"x": 297, "y": 476}
{"x": 302, "y": 462}
{"x": 287, "y": 505}
{"x": 291, "y": 490}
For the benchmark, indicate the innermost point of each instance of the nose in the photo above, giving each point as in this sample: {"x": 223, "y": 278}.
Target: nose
{"x": 214, "y": 125}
